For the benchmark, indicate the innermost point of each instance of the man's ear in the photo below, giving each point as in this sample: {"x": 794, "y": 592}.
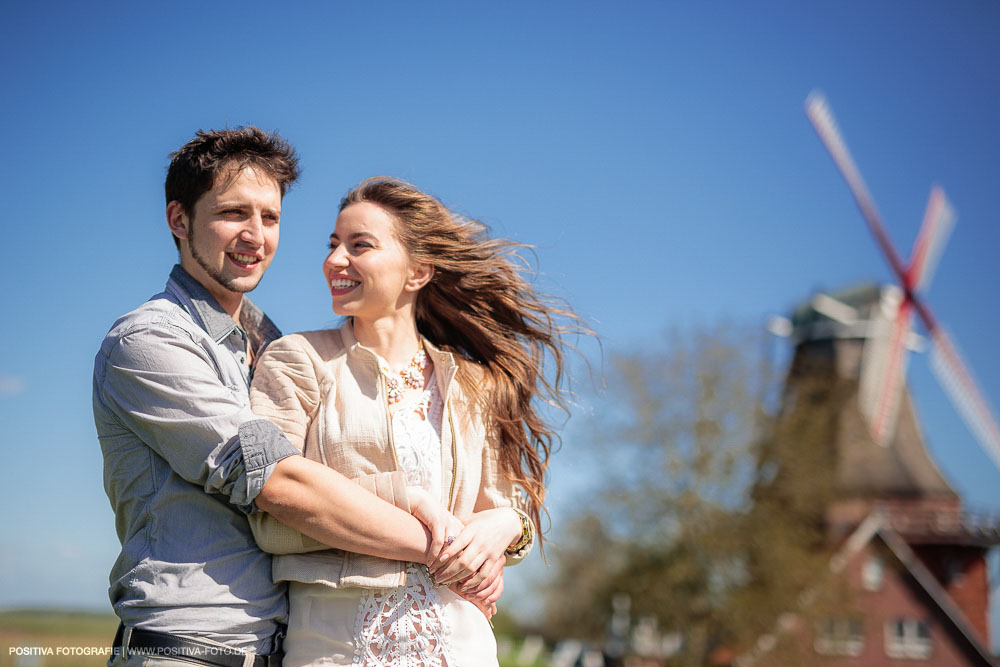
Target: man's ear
{"x": 178, "y": 220}
{"x": 420, "y": 275}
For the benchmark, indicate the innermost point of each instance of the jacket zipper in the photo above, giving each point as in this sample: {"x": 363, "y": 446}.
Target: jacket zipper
{"x": 392, "y": 441}
{"x": 454, "y": 458}
{"x": 388, "y": 416}
{"x": 439, "y": 365}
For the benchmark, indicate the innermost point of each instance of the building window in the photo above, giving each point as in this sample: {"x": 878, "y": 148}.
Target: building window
{"x": 873, "y": 573}
{"x": 908, "y": 638}
{"x": 840, "y": 636}
{"x": 954, "y": 570}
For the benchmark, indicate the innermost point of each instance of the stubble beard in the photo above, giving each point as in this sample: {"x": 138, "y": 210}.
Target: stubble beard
{"x": 216, "y": 274}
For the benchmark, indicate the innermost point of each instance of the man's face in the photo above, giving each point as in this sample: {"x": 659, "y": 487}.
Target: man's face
{"x": 232, "y": 234}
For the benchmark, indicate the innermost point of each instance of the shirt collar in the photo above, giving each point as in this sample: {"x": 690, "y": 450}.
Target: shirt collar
{"x": 216, "y": 322}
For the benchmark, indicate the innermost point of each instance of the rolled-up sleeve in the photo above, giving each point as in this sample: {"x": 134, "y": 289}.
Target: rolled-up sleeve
{"x": 263, "y": 445}
{"x": 165, "y": 387}
{"x": 498, "y": 491}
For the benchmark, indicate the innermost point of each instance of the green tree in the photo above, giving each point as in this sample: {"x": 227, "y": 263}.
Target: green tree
{"x": 707, "y": 506}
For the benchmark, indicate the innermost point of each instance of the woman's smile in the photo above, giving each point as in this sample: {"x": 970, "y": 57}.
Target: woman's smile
{"x": 342, "y": 285}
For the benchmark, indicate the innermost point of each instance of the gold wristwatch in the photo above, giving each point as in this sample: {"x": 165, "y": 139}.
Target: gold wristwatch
{"x": 527, "y": 532}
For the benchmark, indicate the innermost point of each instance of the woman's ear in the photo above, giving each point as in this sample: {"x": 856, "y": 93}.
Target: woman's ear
{"x": 420, "y": 275}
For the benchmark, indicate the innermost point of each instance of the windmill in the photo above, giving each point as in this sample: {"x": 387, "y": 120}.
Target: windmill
{"x": 885, "y": 363}
{"x": 871, "y": 504}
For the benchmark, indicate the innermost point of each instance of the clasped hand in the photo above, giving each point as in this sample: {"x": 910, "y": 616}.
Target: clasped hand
{"x": 468, "y": 558}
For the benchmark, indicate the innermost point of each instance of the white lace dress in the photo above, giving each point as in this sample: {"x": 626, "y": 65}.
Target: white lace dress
{"x": 416, "y": 625}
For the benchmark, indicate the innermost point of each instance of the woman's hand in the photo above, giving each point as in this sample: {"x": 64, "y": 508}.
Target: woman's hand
{"x": 485, "y": 538}
{"x": 484, "y": 596}
{"x": 441, "y": 523}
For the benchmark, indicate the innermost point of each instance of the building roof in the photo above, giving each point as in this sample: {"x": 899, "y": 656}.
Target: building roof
{"x": 916, "y": 569}
{"x": 877, "y": 526}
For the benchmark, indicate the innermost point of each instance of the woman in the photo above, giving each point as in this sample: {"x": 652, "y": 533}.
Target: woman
{"x": 425, "y": 396}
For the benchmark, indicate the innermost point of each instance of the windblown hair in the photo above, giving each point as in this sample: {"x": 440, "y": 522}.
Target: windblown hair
{"x": 197, "y": 166}
{"x": 480, "y": 307}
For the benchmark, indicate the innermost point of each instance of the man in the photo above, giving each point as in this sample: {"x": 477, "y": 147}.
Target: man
{"x": 185, "y": 460}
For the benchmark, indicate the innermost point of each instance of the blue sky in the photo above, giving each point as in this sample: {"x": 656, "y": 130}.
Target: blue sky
{"x": 657, "y": 153}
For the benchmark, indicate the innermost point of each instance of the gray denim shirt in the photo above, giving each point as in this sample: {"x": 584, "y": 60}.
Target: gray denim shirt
{"x": 184, "y": 458}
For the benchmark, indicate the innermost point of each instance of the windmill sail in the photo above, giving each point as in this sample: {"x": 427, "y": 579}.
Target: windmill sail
{"x": 939, "y": 219}
{"x": 961, "y": 388}
{"x": 885, "y": 356}
{"x": 883, "y": 366}
{"x": 880, "y": 403}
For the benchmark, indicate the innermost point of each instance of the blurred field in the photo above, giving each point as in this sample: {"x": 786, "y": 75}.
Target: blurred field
{"x": 68, "y": 635}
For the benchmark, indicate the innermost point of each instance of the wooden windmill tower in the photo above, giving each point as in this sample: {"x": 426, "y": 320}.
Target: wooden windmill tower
{"x": 884, "y": 494}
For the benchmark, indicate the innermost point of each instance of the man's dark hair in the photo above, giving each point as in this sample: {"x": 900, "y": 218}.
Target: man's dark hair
{"x": 195, "y": 168}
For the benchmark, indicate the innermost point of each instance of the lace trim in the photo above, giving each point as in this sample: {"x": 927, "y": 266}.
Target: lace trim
{"x": 404, "y": 626}
{"x": 416, "y": 430}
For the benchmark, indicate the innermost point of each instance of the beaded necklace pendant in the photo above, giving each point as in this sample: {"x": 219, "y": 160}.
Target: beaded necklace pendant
{"x": 411, "y": 377}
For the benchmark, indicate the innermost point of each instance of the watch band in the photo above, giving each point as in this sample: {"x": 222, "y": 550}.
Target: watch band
{"x": 527, "y": 532}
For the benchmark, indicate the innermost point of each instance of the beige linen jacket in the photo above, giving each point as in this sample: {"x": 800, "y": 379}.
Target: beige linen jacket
{"x": 324, "y": 390}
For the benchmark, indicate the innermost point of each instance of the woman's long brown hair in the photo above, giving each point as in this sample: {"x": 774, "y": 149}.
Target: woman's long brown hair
{"x": 480, "y": 307}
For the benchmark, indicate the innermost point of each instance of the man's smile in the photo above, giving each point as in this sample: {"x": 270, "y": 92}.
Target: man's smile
{"x": 244, "y": 261}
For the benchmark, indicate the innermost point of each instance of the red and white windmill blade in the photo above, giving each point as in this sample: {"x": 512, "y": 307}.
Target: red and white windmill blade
{"x": 946, "y": 362}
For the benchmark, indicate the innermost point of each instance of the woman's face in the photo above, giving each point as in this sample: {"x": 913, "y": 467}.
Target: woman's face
{"x": 368, "y": 271}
